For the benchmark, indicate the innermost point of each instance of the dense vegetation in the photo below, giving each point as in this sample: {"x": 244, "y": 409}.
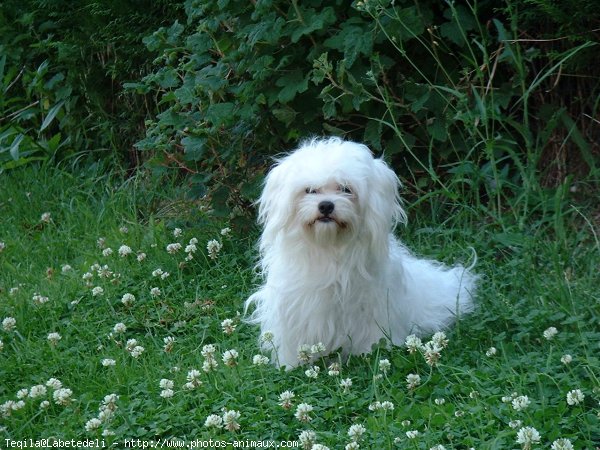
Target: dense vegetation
{"x": 134, "y": 137}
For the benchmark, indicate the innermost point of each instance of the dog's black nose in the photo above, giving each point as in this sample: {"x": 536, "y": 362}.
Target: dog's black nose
{"x": 326, "y": 207}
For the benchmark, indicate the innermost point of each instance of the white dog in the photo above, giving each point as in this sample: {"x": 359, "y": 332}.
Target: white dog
{"x": 334, "y": 273}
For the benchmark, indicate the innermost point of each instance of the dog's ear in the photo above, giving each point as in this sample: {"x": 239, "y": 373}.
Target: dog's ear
{"x": 382, "y": 205}
{"x": 275, "y": 208}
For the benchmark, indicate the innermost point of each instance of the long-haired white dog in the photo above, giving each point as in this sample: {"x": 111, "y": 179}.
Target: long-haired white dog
{"x": 334, "y": 273}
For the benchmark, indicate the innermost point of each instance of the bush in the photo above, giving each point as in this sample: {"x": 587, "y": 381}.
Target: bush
{"x": 441, "y": 88}
{"x": 61, "y": 70}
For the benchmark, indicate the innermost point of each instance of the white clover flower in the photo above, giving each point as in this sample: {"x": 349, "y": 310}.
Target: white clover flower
{"x": 39, "y": 390}
{"x": 307, "y": 439}
{"x": 130, "y": 344}
{"x": 438, "y": 447}
{"x": 566, "y": 359}
{"x": 412, "y": 434}
{"x": 520, "y": 403}
{"x": 209, "y": 365}
{"x": 304, "y": 353}
{"x": 120, "y": 328}
{"x": 173, "y": 248}
{"x": 312, "y": 372}
{"x": 260, "y": 360}
{"x": 208, "y": 351}
{"x": 375, "y": 406}
{"x": 491, "y": 351}
{"x": 385, "y": 365}
{"x": 413, "y": 343}
{"x": 226, "y": 231}
{"x": 191, "y": 248}
{"x": 213, "y": 247}
{"x": 432, "y": 353}
{"x": 87, "y": 277}
{"x": 527, "y": 436}
{"x": 44, "y": 404}
{"x": 97, "y": 291}
{"x": 155, "y": 292}
{"x": 333, "y": 370}
{"x": 39, "y": 299}
{"x": 54, "y": 384}
{"x": 128, "y": 299}
{"x": 62, "y": 396}
{"x": 317, "y": 348}
{"x": 157, "y": 272}
{"x": 303, "y": 412}
{"x": 575, "y": 397}
{"x": 439, "y": 401}
{"x": 9, "y": 323}
{"x": 440, "y": 339}
{"x": 66, "y": 268}
{"x": 228, "y": 326}
{"x": 107, "y": 251}
{"x": 267, "y": 337}
{"x": 166, "y": 384}
{"x": 124, "y": 251}
{"x": 137, "y": 351}
{"x": 193, "y": 378}
{"x": 53, "y": 338}
{"x": 101, "y": 242}
{"x": 346, "y": 384}
{"x": 387, "y": 406}
{"x": 285, "y": 399}
{"x": 230, "y": 357}
{"x": 413, "y": 380}
{"x": 93, "y": 425}
{"x": 46, "y": 217}
{"x": 562, "y": 444}
{"x": 515, "y": 424}
{"x": 108, "y": 362}
{"x": 549, "y": 333}
{"x": 141, "y": 256}
{"x": 319, "y": 447}
{"x": 177, "y": 232}
{"x": 22, "y": 393}
{"x": 2, "y": 246}
{"x": 169, "y": 344}
{"x": 213, "y": 421}
{"x": 167, "y": 393}
{"x": 356, "y": 431}
{"x": 230, "y": 420}
{"x": 193, "y": 241}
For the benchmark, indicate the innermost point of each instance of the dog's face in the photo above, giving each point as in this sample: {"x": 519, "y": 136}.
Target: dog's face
{"x": 330, "y": 192}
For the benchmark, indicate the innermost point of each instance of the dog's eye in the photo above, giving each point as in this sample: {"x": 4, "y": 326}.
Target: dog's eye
{"x": 310, "y": 191}
{"x": 345, "y": 189}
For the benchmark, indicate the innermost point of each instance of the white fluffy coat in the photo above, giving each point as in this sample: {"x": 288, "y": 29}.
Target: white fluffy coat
{"x": 340, "y": 277}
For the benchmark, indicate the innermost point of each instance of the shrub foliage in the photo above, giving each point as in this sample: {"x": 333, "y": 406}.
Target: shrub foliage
{"x": 438, "y": 86}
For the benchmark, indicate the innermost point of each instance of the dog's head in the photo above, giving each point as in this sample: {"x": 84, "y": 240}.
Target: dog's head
{"x": 330, "y": 192}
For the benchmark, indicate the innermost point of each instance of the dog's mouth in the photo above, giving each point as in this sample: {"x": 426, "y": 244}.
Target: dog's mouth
{"x": 326, "y": 220}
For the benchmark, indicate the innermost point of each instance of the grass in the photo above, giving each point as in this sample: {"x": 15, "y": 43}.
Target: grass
{"x": 541, "y": 273}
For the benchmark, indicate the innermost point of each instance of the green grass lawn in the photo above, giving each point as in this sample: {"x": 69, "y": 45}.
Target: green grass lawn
{"x": 111, "y": 332}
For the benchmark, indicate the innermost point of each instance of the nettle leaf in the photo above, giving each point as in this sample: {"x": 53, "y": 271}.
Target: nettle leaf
{"x": 293, "y": 83}
{"x": 286, "y": 115}
{"x": 194, "y": 147}
{"x": 352, "y": 41}
{"x": 211, "y": 78}
{"x": 409, "y": 23}
{"x": 220, "y": 113}
{"x": 312, "y": 20}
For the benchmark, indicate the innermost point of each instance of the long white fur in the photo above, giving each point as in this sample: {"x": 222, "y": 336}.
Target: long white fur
{"x": 347, "y": 282}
